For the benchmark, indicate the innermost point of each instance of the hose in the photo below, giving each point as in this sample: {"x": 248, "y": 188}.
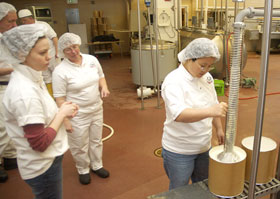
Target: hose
{"x": 228, "y": 57}
{"x": 110, "y": 135}
{"x": 254, "y": 97}
{"x": 228, "y": 154}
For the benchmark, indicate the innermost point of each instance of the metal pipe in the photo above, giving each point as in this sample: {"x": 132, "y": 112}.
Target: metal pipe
{"x": 175, "y": 16}
{"x": 225, "y": 43}
{"x": 251, "y": 12}
{"x": 201, "y": 13}
{"x": 244, "y": 13}
{"x": 215, "y": 21}
{"x": 221, "y": 17}
{"x": 226, "y": 17}
{"x": 261, "y": 98}
{"x": 140, "y": 55}
{"x": 196, "y": 11}
{"x": 236, "y": 5}
{"x": 206, "y": 13}
{"x": 179, "y": 15}
{"x": 152, "y": 48}
{"x": 157, "y": 51}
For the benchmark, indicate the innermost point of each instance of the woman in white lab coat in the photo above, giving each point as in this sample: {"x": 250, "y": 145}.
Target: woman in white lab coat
{"x": 79, "y": 78}
{"x": 33, "y": 121}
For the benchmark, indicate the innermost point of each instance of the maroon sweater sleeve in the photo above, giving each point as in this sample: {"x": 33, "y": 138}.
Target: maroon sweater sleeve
{"x": 39, "y": 137}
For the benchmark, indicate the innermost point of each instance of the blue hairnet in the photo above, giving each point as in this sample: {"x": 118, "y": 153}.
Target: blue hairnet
{"x": 199, "y": 48}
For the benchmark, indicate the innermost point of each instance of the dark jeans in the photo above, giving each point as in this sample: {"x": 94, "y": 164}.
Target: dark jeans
{"x": 49, "y": 184}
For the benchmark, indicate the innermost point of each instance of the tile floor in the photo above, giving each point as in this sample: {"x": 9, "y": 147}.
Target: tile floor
{"x": 136, "y": 172}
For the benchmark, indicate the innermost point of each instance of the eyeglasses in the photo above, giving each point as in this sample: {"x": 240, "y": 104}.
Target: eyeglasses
{"x": 205, "y": 67}
{"x": 71, "y": 48}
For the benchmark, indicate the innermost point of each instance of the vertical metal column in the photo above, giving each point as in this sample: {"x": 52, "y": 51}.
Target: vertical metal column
{"x": 221, "y": 17}
{"x": 157, "y": 51}
{"x": 140, "y": 55}
{"x": 152, "y": 48}
{"x": 225, "y": 40}
{"x": 201, "y": 13}
{"x": 261, "y": 98}
{"x": 236, "y": 6}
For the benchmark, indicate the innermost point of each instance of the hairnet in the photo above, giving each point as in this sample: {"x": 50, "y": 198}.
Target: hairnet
{"x": 24, "y": 13}
{"x": 66, "y": 40}
{"x": 21, "y": 39}
{"x": 5, "y": 8}
{"x": 199, "y": 48}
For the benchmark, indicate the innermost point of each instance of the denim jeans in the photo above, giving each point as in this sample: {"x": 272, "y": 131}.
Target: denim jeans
{"x": 49, "y": 184}
{"x": 180, "y": 168}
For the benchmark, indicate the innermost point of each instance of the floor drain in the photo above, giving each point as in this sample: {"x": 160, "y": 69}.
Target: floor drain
{"x": 158, "y": 151}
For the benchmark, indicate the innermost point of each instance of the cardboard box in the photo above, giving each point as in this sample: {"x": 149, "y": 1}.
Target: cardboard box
{"x": 99, "y": 20}
{"x": 94, "y": 32}
{"x": 94, "y": 27}
{"x": 102, "y": 27}
{"x": 105, "y": 20}
{"x": 100, "y": 13}
{"x": 96, "y": 13}
{"x": 100, "y": 32}
{"x": 93, "y": 21}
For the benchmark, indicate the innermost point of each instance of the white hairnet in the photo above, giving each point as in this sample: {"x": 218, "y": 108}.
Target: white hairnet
{"x": 5, "y": 8}
{"x": 21, "y": 39}
{"x": 24, "y": 13}
{"x": 199, "y": 48}
{"x": 66, "y": 40}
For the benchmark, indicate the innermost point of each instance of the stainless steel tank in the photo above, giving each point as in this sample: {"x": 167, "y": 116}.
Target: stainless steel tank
{"x": 167, "y": 61}
{"x": 219, "y": 71}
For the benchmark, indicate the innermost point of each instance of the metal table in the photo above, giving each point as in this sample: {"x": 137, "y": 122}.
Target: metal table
{"x": 200, "y": 191}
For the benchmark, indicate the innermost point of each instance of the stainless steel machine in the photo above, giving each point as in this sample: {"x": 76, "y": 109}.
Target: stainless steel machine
{"x": 167, "y": 62}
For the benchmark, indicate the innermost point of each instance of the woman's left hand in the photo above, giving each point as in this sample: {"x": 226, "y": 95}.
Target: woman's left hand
{"x": 104, "y": 92}
{"x": 221, "y": 136}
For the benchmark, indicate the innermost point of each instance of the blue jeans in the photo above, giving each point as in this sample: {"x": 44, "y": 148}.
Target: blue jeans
{"x": 180, "y": 168}
{"x": 49, "y": 184}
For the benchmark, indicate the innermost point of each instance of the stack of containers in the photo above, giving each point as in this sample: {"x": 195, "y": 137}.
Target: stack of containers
{"x": 99, "y": 27}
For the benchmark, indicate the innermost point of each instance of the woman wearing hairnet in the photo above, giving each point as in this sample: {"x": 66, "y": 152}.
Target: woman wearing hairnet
{"x": 80, "y": 79}
{"x": 32, "y": 118}
{"x": 191, "y": 107}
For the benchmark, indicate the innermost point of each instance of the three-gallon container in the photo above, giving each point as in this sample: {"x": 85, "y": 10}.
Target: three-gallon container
{"x": 226, "y": 179}
{"x": 167, "y": 62}
{"x": 267, "y": 157}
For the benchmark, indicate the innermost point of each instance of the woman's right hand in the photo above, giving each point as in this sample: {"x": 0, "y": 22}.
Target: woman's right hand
{"x": 219, "y": 110}
{"x": 69, "y": 109}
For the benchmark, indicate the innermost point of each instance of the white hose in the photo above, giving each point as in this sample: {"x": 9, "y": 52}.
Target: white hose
{"x": 110, "y": 135}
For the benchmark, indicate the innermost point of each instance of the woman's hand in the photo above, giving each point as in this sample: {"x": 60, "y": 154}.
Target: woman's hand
{"x": 219, "y": 110}
{"x": 104, "y": 92}
{"x": 69, "y": 109}
{"x": 68, "y": 125}
{"x": 221, "y": 136}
